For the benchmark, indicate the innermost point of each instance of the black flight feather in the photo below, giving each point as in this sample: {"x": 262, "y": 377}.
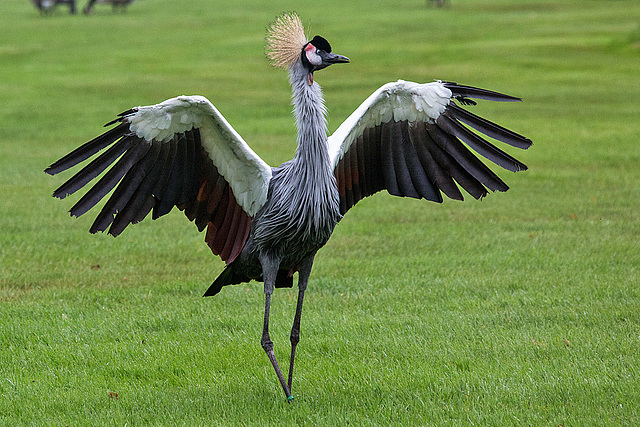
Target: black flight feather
{"x": 477, "y": 93}
{"x": 487, "y": 127}
{"x": 480, "y": 145}
{"x": 161, "y": 188}
{"x": 466, "y": 162}
{"x": 111, "y": 178}
{"x": 403, "y": 178}
{"x": 175, "y": 180}
{"x": 142, "y": 190}
{"x": 93, "y": 169}
{"x": 122, "y": 116}
{"x": 88, "y": 149}
{"x": 441, "y": 181}
{"x": 154, "y": 177}
{"x": 124, "y": 191}
{"x": 386, "y": 159}
{"x": 419, "y": 177}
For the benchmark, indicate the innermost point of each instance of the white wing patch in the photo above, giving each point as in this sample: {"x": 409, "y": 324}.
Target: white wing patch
{"x": 161, "y": 121}
{"x": 247, "y": 174}
{"x": 396, "y": 101}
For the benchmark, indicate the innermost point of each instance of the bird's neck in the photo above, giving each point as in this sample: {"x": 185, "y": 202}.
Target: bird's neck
{"x": 310, "y": 114}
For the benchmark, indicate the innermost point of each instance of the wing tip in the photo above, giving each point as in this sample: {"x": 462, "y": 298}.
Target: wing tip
{"x": 464, "y": 91}
{"x": 122, "y": 116}
{"x": 57, "y": 167}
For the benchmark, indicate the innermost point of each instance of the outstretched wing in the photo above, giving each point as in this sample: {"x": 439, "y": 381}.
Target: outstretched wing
{"x": 406, "y": 138}
{"x": 181, "y": 152}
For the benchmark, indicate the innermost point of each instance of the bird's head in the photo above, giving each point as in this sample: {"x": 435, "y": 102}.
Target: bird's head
{"x": 317, "y": 55}
{"x": 287, "y": 45}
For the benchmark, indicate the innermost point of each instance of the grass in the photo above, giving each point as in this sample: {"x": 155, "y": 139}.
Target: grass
{"x": 522, "y": 309}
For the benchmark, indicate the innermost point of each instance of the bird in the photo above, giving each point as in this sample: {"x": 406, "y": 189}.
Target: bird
{"x": 267, "y": 223}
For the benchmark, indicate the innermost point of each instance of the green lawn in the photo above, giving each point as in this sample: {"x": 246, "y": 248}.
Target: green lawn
{"x": 521, "y": 309}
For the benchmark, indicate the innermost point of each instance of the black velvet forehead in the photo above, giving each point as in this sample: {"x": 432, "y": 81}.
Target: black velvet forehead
{"x": 321, "y": 43}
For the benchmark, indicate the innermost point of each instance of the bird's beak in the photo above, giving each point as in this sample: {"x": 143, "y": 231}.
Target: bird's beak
{"x": 332, "y": 58}
{"x": 328, "y": 59}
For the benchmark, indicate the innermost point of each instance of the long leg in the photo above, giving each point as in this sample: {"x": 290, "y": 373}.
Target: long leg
{"x": 269, "y": 272}
{"x": 303, "y": 278}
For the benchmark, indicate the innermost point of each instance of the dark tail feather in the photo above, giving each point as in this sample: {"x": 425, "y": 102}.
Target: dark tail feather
{"x": 227, "y": 277}
{"x": 284, "y": 279}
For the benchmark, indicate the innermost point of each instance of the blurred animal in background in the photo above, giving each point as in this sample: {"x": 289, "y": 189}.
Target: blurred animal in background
{"x": 46, "y": 6}
{"x": 115, "y": 4}
{"x": 439, "y": 3}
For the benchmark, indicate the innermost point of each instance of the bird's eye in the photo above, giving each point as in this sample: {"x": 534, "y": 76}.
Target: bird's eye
{"x": 317, "y": 51}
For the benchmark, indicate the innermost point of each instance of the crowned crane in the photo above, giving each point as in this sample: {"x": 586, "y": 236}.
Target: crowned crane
{"x": 122, "y": 4}
{"x": 45, "y": 6}
{"x": 267, "y": 222}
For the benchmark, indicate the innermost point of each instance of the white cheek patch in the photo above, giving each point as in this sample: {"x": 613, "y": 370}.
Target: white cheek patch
{"x": 312, "y": 56}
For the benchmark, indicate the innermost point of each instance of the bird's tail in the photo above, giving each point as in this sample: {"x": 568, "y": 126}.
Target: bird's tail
{"x": 230, "y": 276}
{"x": 227, "y": 277}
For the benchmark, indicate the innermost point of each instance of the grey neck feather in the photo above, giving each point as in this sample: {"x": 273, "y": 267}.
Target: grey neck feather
{"x": 304, "y": 205}
{"x": 310, "y": 114}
